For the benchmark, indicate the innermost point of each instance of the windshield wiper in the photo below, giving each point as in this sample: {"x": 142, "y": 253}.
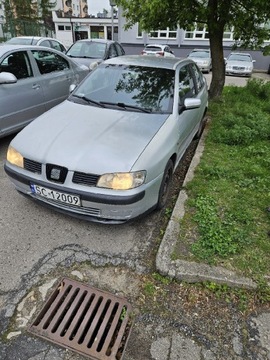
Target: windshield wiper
{"x": 90, "y": 101}
{"x": 127, "y": 106}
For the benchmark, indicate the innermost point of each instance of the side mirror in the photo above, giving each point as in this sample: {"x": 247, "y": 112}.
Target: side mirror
{"x": 72, "y": 87}
{"x": 7, "y": 78}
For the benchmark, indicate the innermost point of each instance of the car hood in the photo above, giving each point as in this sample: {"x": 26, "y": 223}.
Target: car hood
{"x": 199, "y": 59}
{"x": 86, "y": 61}
{"x": 87, "y": 138}
{"x": 239, "y": 63}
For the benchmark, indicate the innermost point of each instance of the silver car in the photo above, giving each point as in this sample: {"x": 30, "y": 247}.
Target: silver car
{"x": 109, "y": 151}
{"x": 202, "y": 58}
{"x": 33, "y": 79}
{"x": 38, "y": 40}
{"x": 239, "y": 64}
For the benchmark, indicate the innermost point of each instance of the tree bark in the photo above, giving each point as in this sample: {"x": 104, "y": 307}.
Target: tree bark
{"x": 218, "y": 65}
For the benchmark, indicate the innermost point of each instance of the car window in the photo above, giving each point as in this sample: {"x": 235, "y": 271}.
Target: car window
{"x": 240, "y": 57}
{"x": 49, "y": 62}
{"x": 198, "y": 77}
{"x": 145, "y": 87}
{"x": 112, "y": 51}
{"x": 18, "y": 64}
{"x": 45, "y": 43}
{"x": 57, "y": 46}
{"x": 186, "y": 84}
{"x": 119, "y": 49}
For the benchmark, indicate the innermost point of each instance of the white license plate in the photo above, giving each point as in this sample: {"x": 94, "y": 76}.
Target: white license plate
{"x": 55, "y": 195}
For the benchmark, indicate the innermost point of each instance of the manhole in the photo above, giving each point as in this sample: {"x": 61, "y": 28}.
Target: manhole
{"x": 91, "y": 322}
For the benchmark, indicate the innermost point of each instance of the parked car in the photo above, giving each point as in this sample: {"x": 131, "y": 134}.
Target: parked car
{"x": 115, "y": 161}
{"x": 239, "y": 63}
{"x": 158, "y": 50}
{"x": 33, "y": 79}
{"x": 93, "y": 52}
{"x": 202, "y": 58}
{"x": 39, "y": 41}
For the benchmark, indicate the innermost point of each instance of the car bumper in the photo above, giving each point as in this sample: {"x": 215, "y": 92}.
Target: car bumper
{"x": 238, "y": 73}
{"x": 97, "y": 206}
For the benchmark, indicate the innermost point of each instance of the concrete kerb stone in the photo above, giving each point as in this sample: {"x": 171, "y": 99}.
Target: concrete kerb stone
{"x": 185, "y": 270}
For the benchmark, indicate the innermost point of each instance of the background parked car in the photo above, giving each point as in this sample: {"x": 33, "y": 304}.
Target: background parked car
{"x": 158, "y": 50}
{"x": 202, "y": 58}
{"x": 239, "y": 63}
{"x": 93, "y": 52}
{"x": 37, "y": 40}
{"x": 115, "y": 161}
{"x": 33, "y": 79}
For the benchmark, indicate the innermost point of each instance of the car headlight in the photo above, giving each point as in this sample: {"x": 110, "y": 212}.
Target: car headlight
{"x": 14, "y": 157}
{"x": 122, "y": 181}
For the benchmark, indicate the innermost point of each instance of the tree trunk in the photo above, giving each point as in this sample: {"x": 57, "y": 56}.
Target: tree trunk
{"x": 218, "y": 66}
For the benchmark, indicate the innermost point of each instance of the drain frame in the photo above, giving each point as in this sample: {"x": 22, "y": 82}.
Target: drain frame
{"x": 86, "y": 320}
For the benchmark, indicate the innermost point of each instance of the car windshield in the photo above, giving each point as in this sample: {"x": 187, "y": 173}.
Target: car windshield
{"x": 87, "y": 49}
{"x": 200, "y": 54}
{"x": 240, "y": 57}
{"x": 132, "y": 88}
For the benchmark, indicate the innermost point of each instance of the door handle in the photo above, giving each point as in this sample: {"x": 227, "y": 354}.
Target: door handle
{"x": 36, "y": 86}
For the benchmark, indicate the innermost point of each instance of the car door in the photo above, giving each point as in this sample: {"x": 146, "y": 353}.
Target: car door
{"x": 55, "y": 74}
{"x": 23, "y": 101}
{"x": 188, "y": 119}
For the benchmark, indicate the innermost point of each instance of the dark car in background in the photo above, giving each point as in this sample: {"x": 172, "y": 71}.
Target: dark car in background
{"x": 93, "y": 52}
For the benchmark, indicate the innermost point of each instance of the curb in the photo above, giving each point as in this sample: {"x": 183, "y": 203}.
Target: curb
{"x": 192, "y": 271}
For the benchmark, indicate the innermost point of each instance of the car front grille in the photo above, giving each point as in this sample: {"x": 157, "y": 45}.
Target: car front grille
{"x": 238, "y": 68}
{"x": 85, "y": 179}
{"x": 78, "y": 177}
{"x": 32, "y": 166}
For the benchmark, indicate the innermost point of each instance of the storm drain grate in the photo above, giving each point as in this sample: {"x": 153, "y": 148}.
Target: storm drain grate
{"x": 86, "y": 320}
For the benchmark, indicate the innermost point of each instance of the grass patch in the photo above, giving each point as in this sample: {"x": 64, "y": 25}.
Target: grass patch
{"x": 227, "y": 219}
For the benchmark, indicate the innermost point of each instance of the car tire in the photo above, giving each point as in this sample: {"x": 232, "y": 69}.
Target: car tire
{"x": 165, "y": 185}
{"x": 268, "y": 72}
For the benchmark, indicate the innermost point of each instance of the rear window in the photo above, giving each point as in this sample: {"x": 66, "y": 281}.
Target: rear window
{"x": 153, "y": 48}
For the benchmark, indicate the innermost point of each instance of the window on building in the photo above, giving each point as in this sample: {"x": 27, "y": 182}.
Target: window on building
{"x": 64, "y": 27}
{"x": 201, "y": 32}
{"x": 97, "y": 32}
{"x": 164, "y": 34}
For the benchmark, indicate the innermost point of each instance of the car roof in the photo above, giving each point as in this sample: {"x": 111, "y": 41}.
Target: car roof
{"x": 34, "y": 38}
{"x": 148, "y": 61}
{"x": 96, "y": 40}
{"x": 4, "y": 48}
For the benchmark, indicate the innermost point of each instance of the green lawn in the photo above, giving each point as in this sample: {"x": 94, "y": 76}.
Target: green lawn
{"x": 227, "y": 218}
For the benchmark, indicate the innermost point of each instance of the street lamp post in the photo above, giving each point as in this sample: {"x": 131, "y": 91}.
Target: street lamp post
{"x": 112, "y": 4}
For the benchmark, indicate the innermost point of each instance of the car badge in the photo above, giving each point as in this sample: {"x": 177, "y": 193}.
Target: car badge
{"x": 55, "y": 174}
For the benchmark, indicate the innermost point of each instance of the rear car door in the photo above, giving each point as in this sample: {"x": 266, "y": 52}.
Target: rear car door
{"x": 23, "y": 101}
{"x": 55, "y": 75}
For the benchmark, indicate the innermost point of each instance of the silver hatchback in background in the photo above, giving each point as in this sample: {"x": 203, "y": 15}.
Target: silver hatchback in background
{"x": 108, "y": 152}
{"x": 202, "y": 58}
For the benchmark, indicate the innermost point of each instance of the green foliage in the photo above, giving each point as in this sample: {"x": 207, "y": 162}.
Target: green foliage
{"x": 226, "y": 220}
{"x": 245, "y": 17}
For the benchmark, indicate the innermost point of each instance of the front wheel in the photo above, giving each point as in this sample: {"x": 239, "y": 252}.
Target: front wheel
{"x": 165, "y": 185}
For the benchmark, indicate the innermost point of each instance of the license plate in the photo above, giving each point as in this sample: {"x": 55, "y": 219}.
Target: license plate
{"x": 55, "y": 195}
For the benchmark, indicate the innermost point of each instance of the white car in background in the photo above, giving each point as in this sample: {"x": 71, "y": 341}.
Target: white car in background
{"x": 158, "y": 50}
{"x": 239, "y": 64}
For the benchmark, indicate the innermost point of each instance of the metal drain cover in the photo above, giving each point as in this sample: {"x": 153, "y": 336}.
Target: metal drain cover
{"x": 81, "y": 318}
